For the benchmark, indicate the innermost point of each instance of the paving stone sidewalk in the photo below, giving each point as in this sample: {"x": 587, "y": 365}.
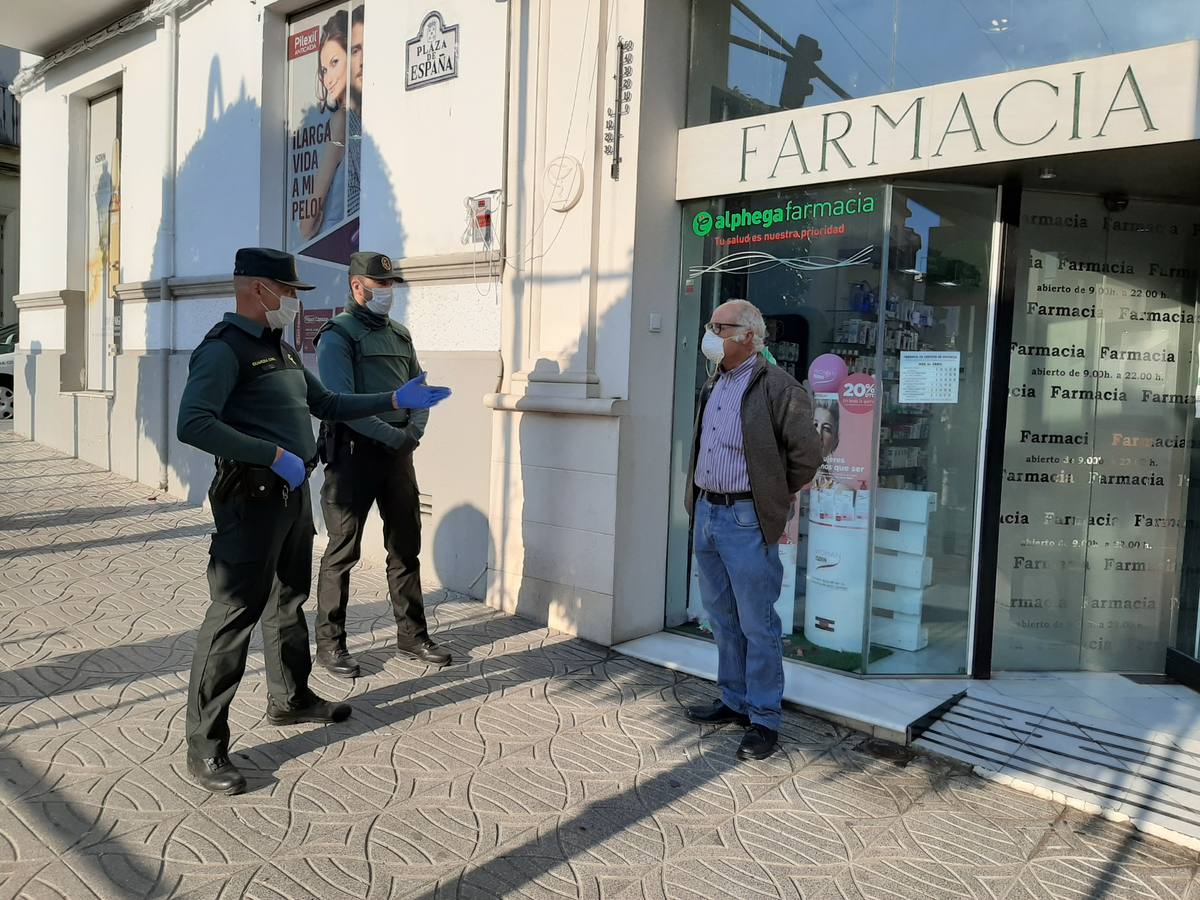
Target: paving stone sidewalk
{"x": 537, "y": 766}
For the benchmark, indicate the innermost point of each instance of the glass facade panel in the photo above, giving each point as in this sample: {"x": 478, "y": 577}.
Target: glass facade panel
{"x": 751, "y": 57}
{"x": 1098, "y": 446}
{"x": 805, "y": 258}
{"x": 881, "y": 543}
{"x": 933, "y": 379}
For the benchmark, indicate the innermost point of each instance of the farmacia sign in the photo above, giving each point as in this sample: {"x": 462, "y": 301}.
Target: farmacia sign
{"x": 1129, "y": 99}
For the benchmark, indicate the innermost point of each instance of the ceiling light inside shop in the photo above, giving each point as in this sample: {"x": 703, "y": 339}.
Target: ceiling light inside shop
{"x": 948, "y": 283}
{"x": 1046, "y": 173}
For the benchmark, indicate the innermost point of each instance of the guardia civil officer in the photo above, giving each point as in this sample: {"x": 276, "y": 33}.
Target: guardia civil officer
{"x": 248, "y": 402}
{"x": 369, "y": 461}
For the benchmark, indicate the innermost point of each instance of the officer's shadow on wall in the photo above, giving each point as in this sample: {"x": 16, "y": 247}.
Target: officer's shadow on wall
{"x": 217, "y": 210}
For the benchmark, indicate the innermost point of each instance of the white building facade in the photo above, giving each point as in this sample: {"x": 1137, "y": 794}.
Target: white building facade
{"x": 570, "y": 188}
{"x": 195, "y": 111}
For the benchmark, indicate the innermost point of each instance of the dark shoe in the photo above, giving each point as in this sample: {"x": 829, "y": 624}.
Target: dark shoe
{"x": 338, "y": 661}
{"x": 216, "y": 774}
{"x": 426, "y": 651}
{"x": 716, "y": 714}
{"x": 322, "y": 712}
{"x": 759, "y": 743}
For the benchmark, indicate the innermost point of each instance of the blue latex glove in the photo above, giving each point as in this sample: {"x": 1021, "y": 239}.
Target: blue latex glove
{"x": 290, "y": 468}
{"x": 416, "y": 394}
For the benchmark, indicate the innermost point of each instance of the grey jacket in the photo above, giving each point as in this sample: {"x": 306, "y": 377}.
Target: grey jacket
{"x": 782, "y": 447}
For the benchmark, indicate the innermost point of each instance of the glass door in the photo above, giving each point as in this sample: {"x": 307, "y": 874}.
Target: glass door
{"x": 935, "y": 322}
{"x": 812, "y": 261}
{"x": 877, "y": 299}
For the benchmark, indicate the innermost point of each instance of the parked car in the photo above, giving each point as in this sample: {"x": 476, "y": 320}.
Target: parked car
{"x": 8, "y": 353}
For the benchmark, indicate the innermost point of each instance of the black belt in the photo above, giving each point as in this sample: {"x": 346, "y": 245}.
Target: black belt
{"x": 725, "y": 499}
{"x": 233, "y": 477}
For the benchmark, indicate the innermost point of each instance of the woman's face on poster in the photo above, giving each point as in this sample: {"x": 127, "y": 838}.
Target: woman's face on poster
{"x": 826, "y": 429}
{"x": 333, "y": 72}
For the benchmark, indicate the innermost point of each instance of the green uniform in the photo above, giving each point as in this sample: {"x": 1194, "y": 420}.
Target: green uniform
{"x": 246, "y": 394}
{"x": 369, "y": 462}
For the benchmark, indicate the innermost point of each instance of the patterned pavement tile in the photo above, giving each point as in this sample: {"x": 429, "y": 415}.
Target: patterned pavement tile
{"x": 536, "y": 766}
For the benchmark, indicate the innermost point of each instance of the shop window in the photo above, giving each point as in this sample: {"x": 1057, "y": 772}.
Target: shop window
{"x": 877, "y": 299}
{"x": 751, "y": 57}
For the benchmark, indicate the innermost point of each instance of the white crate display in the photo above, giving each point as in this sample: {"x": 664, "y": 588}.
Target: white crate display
{"x": 902, "y": 570}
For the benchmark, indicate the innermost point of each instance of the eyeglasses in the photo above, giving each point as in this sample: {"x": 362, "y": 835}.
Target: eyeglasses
{"x": 717, "y": 327}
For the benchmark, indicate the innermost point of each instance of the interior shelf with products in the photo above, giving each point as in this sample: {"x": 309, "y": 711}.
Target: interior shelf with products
{"x": 860, "y": 321}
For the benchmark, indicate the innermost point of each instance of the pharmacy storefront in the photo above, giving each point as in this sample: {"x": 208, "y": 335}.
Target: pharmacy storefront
{"x": 989, "y": 287}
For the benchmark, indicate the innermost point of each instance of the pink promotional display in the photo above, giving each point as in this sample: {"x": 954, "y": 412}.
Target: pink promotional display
{"x": 839, "y": 506}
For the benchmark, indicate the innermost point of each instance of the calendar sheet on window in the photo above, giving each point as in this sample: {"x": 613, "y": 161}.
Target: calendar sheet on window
{"x": 928, "y": 376}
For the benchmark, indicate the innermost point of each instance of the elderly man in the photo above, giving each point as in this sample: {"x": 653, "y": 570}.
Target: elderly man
{"x": 753, "y": 448}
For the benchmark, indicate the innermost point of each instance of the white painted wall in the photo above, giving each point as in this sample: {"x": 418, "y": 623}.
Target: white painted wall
{"x": 438, "y": 143}
{"x": 54, "y": 124}
{"x": 452, "y": 317}
{"x": 43, "y": 329}
{"x": 45, "y": 184}
{"x": 220, "y": 134}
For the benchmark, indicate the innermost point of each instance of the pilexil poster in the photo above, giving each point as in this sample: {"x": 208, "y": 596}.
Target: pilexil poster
{"x": 324, "y": 146}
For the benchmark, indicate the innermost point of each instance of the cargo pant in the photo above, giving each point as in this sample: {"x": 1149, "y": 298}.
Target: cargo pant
{"x": 355, "y": 482}
{"x": 259, "y": 569}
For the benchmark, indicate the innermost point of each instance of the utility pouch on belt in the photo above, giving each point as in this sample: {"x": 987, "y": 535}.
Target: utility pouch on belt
{"x": 327, "y": 443}
{"x": 259, "y": 482}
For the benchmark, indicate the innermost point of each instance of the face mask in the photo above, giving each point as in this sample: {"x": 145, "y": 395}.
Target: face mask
{"x": 380, "y": 300}
{"x": 712, "y": 347}
{"x": 279, "y": 319}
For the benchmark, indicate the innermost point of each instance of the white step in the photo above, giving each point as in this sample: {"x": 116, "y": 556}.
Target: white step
{"x": 1094, "y": 764}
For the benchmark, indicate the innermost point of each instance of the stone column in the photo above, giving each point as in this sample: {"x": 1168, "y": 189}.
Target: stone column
{"x": 562, "y": 436}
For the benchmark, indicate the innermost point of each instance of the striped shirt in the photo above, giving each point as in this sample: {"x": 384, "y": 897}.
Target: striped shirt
{"x": 721, "y": 464}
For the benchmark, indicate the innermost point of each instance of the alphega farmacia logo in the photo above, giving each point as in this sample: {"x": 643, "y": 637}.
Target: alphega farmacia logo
{"x": 732, "y": 219}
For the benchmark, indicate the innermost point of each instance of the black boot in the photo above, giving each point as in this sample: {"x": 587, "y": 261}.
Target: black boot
{"x": 759, "y": 743}
{"x": 423, "y": 649}
{"x": 338, "y": 661}
{"x": 322, "y": 712}
{"x": 216, "y": 774}
{"x": 716, "y": 714}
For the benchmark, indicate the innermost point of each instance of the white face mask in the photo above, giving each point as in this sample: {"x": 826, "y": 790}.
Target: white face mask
{"x": 279, "y": 319}
{"x": 379, "y": 300}
{"x": 712, "y": 347}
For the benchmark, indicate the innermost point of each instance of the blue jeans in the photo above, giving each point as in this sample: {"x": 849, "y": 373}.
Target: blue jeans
{"x": 740, "y": 578}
